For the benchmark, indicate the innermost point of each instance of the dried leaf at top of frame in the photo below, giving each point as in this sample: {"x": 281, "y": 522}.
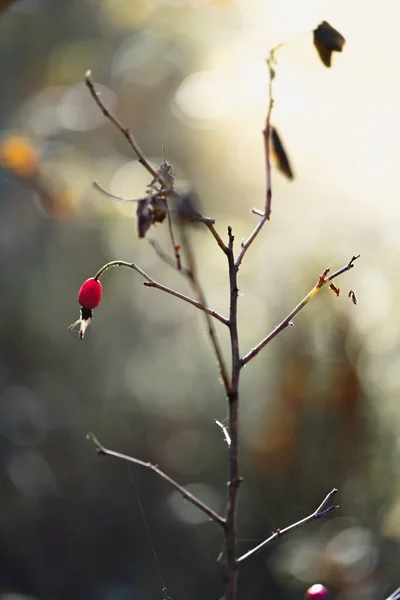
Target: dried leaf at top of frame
{"x": 280, "y": 154}
{"x": 327, "y": 40}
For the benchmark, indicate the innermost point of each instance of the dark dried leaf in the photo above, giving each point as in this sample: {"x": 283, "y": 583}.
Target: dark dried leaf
{"x": 158, "y": 209}
{"x": 280, "y": 154}
{"x": 144, "y": 219}
{"x": 186, "y": 209}
{"x": 327, "y": 40}
{"x": 335, "y": 289}
{"x": 150, "y": 210}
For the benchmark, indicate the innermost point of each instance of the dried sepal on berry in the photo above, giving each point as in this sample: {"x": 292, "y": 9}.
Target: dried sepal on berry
{"x": 83, "y": 323}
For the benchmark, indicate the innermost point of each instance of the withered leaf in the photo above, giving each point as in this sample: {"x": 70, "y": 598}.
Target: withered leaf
{"x": 144, "y": 219}
{"x": 187, "y": 209}
{"x": 327, "y": 40}
{"x": 335, "y": 289}
{"x": 280, "y": 154}
{"x": 353, "y": 297}
{"x": 150, "y": 210}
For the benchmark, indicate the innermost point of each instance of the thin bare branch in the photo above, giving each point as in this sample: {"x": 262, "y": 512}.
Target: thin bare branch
{"x": 103, "y": 191}
{"x": 246, "y": 245}
{"x": 287, "y": 321}
{"x": 199, "y": 305}
{"x": 266, "y": 215}
{"x": 124, "y": 130}
{"x": 159, "y": 286}
{"x": 175, "y": 246}
{"x": 187, "y": 495}
{"x": 217, "y": 237}
{"x": 267, "y": 135}
{"x": 169, "y": 260}
{"x": 394, "y": 595}
{"x": 198, "y": 291}
{"x": 321, "y": 511}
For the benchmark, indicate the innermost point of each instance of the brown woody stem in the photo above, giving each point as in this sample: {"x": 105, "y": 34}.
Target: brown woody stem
{"x": 233, "y": 416}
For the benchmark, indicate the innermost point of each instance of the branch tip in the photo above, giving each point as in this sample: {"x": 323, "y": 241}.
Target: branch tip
{"x": 320, "y": 512}
{"x": 92, "y": 438}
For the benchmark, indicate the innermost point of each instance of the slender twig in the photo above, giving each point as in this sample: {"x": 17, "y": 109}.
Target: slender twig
{"x": 159, "y": 286}
{"x": 217, "y": 237}
{"x": 199, "y": 305}
{"x": 267, "y": 135}
{"x": 225, "y": 432}
{"x": 99, "y": 188}
{"x": 323, "y": 280}
{"x": 148, "y": 465}
{"x": 266, "y": 215}
{"x": 394, "y": 595}
{"x": 175, "y": 246}
{"x": 169, "y": 260}
{"x": 124, "y": 130}
{"x": 122, "y": 263}
{"x": 246, "y": 245}
{"x": 321, "y": 511}
{"x": 198, "y": 291}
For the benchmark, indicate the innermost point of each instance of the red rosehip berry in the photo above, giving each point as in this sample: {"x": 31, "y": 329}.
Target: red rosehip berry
{"x": 90, "y": 293}
{"x": 316, "y": 592}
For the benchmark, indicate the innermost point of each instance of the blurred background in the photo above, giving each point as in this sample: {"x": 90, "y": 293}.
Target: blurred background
{"x": 319, "y": 405}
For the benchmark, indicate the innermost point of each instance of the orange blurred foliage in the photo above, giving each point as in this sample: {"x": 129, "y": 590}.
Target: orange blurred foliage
{"x": 18, "y": 154}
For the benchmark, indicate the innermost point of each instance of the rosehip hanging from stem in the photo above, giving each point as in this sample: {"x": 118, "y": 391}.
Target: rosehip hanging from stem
{"x": 89, "y": 298}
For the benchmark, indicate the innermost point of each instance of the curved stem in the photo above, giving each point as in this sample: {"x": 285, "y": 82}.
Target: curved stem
{"x": 159, "y": 286}
{"x": 122, "y": 263}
